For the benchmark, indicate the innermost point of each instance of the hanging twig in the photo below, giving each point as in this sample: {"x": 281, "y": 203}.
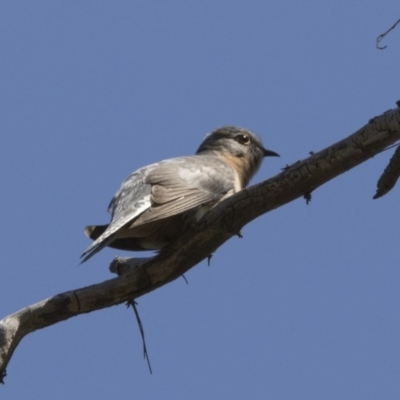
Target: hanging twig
{"x": 133, "y": 304}
{"x": 381, "y": 36}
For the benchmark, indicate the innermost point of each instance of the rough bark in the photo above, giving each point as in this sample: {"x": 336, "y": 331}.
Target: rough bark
{"x": 140, "y": 276}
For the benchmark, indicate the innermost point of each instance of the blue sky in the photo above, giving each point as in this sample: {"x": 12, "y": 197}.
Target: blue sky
{"x": 307, "y": 304}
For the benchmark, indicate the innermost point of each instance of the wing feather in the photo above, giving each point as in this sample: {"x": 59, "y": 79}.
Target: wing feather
{"x": 163, "y": 190}
{"x": 185, "y": 183}
{"x": 131, "y": 200}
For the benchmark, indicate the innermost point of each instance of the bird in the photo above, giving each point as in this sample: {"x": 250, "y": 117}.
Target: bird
{"x": 157, "y": 203}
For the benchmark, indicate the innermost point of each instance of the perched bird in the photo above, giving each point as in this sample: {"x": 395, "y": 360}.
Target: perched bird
{"x": 156, "y": 204}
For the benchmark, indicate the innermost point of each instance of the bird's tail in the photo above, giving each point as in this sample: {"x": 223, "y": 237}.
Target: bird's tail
{"x": 95, "y": 233}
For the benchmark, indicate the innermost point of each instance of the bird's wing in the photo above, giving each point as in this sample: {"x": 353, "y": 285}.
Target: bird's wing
{"x": 184, "y": 183}
{"x": 165, "y": 189}
{"x": 131, "y": 200}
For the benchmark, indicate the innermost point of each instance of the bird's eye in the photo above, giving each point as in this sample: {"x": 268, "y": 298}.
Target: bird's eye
{"x": 243, "y": 139}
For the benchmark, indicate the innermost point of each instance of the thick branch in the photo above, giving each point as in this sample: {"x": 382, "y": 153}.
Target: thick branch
{"x": 217, "y": 226}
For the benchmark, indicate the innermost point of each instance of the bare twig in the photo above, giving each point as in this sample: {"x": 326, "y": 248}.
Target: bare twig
{"x": 133, "y": 304}
{"x": 381, "y": 36}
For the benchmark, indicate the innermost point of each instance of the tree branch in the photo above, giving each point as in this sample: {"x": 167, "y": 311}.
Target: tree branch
{"x": 381, "y": 36}
{"x": 390, "y": 175}
{"x": 141, "y": 276}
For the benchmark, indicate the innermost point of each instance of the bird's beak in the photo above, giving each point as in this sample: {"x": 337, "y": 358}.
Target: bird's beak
{"x": 270, "y": 153}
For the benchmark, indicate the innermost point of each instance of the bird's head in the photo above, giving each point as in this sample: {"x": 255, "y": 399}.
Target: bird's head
{"x": 240, "y": 148}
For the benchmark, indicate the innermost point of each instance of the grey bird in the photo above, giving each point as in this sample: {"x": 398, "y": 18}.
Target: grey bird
{"x": 156, "y": 204}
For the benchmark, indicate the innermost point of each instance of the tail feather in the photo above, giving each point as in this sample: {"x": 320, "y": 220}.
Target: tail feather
{"x": 95, "y": 232}
{"x": 126, "y": 243}
{"x": 94, "y": 248}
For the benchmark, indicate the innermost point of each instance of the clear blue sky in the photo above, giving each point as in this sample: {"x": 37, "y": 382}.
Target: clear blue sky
{"x": 307, "y": 304}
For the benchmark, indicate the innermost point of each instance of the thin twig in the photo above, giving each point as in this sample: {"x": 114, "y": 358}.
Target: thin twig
{"x": 133, "y": 304}
{"x": 380, "y": 37}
